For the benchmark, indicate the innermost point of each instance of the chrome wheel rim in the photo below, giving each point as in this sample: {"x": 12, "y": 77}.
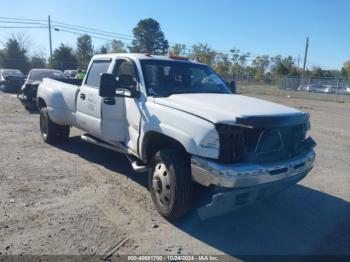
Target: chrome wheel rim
{"x": 161, "y": 185}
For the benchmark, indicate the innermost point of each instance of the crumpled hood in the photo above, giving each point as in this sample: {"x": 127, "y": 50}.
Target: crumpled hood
{"x": 224, "y": 108}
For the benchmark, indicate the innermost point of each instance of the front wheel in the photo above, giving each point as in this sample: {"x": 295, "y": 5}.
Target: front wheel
{"x": 50, "y": 131}
{"x": 170, "y": 183}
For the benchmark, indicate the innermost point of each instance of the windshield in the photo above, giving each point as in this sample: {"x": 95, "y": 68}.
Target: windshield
{"x": 38, "y": 75}
{"x": 165, "y": 78}
{"x": 12, "y": 73}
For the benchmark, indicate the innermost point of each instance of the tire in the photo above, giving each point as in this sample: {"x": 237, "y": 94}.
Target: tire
{"x": 50, "y": 131}
{"x": 29, "y": 107}
{"x": 170, "y": 183}
{"x": 63, "y": 133}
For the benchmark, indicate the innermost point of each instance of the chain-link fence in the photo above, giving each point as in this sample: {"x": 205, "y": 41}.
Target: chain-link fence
{"x": 322, "y": 88}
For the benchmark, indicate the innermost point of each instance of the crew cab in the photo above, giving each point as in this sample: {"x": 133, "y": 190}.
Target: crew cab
{"x": 178, "y": 120}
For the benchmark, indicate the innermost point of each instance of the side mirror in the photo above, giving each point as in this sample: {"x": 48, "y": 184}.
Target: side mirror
{"x": 233, "y": 87}
{"x": 126, "y": 86}
{"x": 108, "y": 85}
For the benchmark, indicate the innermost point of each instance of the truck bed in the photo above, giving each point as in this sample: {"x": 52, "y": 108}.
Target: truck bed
{"x": 60, "y": 97}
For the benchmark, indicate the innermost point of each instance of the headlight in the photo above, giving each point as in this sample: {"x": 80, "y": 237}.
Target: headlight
{"x": 211, "y": 141}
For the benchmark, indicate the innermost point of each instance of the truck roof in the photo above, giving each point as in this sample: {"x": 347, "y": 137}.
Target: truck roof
{"x": 139, "y": 56}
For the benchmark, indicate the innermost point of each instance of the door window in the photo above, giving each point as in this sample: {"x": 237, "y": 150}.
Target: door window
{"x": 125, "y": 73}
{"x": 95, "y": 71}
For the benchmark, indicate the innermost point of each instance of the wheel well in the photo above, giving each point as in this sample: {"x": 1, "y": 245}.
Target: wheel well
{"x": 154, "y": 141}
{"x": 41, "y": 103}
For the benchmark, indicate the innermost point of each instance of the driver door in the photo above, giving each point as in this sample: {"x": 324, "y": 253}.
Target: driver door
{"x": 120, "y": 115}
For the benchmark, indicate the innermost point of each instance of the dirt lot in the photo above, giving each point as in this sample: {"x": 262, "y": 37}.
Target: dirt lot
{"x": 76, "y": 198}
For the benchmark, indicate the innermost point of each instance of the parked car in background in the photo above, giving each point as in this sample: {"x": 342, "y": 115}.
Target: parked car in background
{"x": 316, "y": 88}
{"x": 28, "y": 91}
{"x": 340, "y": 90}
{"x": 11, "y": 80}
{"x": 70, "y": 73}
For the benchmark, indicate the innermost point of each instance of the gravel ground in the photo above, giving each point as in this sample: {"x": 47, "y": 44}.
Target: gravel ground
{"x": 79, "y": 199}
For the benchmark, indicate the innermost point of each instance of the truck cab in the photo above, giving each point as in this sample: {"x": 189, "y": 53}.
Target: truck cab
{"x": 179, "y": 121}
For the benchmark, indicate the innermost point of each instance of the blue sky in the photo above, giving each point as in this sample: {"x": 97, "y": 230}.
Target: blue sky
{"x": 261, "y": 27}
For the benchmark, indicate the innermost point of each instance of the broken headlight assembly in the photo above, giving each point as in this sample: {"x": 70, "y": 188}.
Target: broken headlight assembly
{"x": 211, "y": 141}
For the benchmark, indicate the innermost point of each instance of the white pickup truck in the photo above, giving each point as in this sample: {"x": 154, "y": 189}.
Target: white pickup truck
{"x": 179, "y": 120}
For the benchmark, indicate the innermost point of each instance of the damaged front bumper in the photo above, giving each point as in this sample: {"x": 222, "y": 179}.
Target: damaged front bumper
{"x": 242, "y": 184}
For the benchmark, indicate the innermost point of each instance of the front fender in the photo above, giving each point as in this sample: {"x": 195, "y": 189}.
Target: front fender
{"x": 185, "y": 128}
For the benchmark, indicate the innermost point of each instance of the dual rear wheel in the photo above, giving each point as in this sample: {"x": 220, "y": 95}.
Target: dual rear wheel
{"x": 50, "y": 131}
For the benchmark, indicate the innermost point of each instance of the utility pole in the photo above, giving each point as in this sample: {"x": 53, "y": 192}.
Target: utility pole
{"x": 50, "y": 39}
{"x": 305, "y": 58}
{"x": 298, "y": 60}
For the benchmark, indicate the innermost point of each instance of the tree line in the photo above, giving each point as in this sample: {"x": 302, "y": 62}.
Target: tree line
{"x": 148, "y": 37}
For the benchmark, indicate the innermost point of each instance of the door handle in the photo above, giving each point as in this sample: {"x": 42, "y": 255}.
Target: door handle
{"x": 82, "y": 96}
{"x": 109, "y": 101}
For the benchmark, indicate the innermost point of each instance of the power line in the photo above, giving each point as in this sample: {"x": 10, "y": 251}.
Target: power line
{"x": 91, "y": 32}
{"x": 14, "y": 27}
{"x": 77, "y": 33}
{"x": 17, "y": 22}
{"x": 22, "y": 19}
{"x": 92, "y": 29}
{"x": 78, "y": 30}
{"x": 129, "y": 37}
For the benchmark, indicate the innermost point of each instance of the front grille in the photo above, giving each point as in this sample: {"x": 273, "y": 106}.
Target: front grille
{"x": 259, "y": 145}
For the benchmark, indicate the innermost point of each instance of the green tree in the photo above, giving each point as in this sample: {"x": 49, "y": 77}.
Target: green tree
{"x": 343, "y": 72}
{"x": 116, "y": 46}
{"x": 85, "y": 50}
{"x": 294, "y": 71}
{"x": 281, "y": 70}
{"x": 243, "y": 59}
{"x": 239, "y": 61}
{"x": 237, "y": 70}
{"x": 203, "y": 53}
{"x": 2, "y": 57}
{"x": 37, "y": 61}
{"x": 235, "y": 55}
{"x": 149, "y": 38}
{"x": 178, "y": 49}
{"x": 250, "y": 70}
{"x": 347, "y": 67}
{"x": 63, "y": 58}
{"x": 317, "y": 72}
{"x": 223, "y": 66}
{"x": 14, "y": 56}
{"x": 261, "y": 63}
{"x": 103, "y": 50}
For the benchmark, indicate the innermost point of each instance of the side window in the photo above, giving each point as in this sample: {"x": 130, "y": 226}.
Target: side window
{"x": 125, "y": 73}
{"x": 124, "y": 67}
{"x": 96, "y": 69}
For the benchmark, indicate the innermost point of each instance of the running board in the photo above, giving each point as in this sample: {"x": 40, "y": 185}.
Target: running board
{"x": 136, "y": 166}
{"x": 99, "y": 142}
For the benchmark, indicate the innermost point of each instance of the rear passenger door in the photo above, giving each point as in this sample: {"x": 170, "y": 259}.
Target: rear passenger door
{"x": 88, "y": 101}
